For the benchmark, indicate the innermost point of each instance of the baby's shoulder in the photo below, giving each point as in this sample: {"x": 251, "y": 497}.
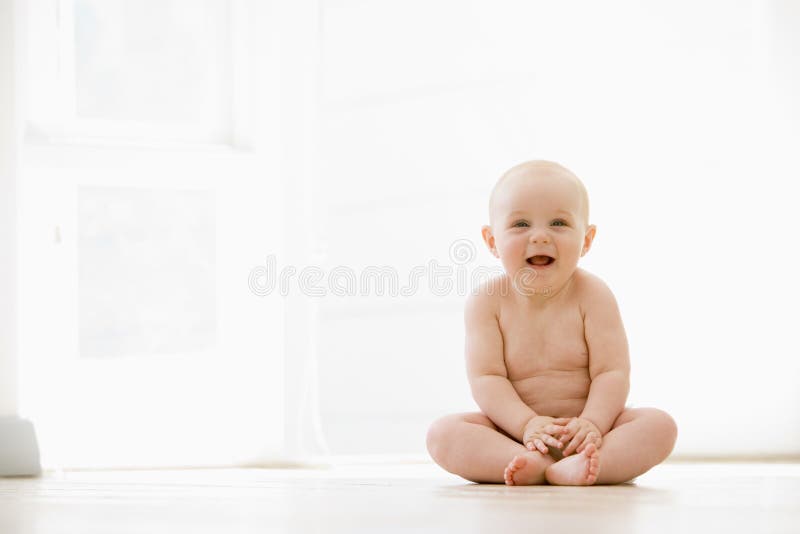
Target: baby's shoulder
{"x": 584, "y": 281}
{"x": 487, "y": 294}
{"x": 590, "y": 290}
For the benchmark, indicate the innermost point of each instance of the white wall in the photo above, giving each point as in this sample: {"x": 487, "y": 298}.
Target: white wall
{"x": 676, "y": 116}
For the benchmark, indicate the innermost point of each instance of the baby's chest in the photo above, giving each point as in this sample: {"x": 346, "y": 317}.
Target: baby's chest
{"x": 535, "y": 346}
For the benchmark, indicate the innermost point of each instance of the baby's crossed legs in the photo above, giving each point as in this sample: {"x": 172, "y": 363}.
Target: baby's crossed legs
{"x": 473, "y": 447}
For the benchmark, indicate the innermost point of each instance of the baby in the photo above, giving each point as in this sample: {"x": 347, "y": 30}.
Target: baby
{"x": 546, "y": 353}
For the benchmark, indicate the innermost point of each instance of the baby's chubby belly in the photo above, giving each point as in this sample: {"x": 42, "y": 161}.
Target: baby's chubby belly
{"x": 546, "y": 356}
{"x": 556, "y": 393}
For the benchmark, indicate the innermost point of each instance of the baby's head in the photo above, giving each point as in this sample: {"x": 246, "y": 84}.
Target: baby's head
{"x": 539, "y": 223}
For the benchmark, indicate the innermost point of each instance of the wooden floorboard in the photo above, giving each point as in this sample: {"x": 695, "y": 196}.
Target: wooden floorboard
{"x": 677, "y": 497}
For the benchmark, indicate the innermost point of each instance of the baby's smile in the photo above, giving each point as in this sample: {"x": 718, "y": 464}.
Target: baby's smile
{"x": 540, "y": 261}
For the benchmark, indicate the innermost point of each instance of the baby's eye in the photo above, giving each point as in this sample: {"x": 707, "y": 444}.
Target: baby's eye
{"x": 520, "y": 224}
{"x": 560, "y": 222}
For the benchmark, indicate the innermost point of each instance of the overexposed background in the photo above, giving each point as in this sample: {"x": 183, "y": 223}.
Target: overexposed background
{"x": 174, "y": 155}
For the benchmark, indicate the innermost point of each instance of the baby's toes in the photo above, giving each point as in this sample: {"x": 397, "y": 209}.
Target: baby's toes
{"x": 514, "y": 465}
{"x": 593, "y": 468}
{"x": 517, "y": 463}
{"x": 593, "y": 465}
{"x": 508, "y": 477}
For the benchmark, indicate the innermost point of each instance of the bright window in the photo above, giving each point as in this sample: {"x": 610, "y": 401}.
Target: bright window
{"x": 143, "y": 71}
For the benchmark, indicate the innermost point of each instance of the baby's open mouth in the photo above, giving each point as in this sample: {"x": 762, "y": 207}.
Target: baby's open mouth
{"x": 540, "y": 260}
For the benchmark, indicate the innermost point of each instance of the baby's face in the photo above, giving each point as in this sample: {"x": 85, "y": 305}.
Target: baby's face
{"x": 539, "y": 221}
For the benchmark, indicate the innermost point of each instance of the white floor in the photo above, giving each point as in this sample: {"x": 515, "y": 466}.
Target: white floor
{"x": 674, "y": 497}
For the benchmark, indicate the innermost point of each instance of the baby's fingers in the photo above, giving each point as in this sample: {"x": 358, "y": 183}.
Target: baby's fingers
{"x": 591, "y": 437}
{"x": 537, "y": 445}
{"x": 554, "y": 430}
{"x": 576, "y": 441}
{"x": 566, "y": 433}
{"x": 553, "y": 442}
{"x": 540, "y": 443}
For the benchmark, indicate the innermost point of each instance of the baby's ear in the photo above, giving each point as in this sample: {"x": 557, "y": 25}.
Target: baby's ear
{"x": 488, "y": 238}
{"x": 588, "y": 238}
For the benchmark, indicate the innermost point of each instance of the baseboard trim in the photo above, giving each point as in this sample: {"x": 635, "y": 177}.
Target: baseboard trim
{"x": 734, "y": 458}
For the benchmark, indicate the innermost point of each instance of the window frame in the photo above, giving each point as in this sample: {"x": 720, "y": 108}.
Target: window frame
{"x": 52, "y": 116}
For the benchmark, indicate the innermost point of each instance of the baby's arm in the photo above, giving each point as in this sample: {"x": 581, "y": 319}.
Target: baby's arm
{"x": 486, "y": 369}
{"x": 609, "y": 362}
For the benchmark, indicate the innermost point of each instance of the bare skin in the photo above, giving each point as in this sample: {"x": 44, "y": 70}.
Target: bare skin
{"x": 576, "y": 470}
{"x": 547, "y": 356}
{"x": 473, "y": 447}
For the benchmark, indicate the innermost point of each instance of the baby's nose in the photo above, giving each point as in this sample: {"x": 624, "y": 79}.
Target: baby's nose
{"x": 539, "y": 237}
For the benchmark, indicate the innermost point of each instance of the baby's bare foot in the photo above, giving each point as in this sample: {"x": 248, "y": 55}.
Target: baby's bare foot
{"x": 526, "y": 469}
{"x": 577, "y": 469}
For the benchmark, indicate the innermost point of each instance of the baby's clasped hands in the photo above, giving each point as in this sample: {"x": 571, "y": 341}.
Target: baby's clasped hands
{"x": 575, "y": 432}
{"x": 540, "y": 432}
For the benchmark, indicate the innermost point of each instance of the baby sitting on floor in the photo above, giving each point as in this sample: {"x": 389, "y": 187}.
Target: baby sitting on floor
{"x": 546, "y": 353}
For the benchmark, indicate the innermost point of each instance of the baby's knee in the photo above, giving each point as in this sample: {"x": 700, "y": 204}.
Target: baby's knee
{"x": 665, "y": 424}
{"x": 438, "y": 433}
